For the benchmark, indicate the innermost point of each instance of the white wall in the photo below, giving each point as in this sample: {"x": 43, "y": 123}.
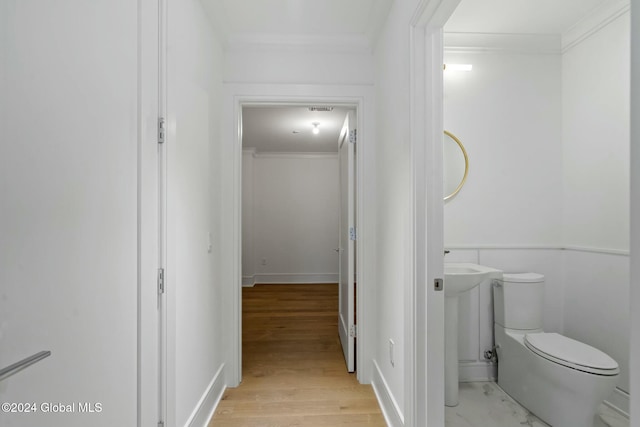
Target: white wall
{"x": 394, "y": 207}
{"x": 248, "y": 263}
{"x": 290, "y": 65}
{"x": 68, "y": 183}
{"x": 294, "y": 217}
{"x": 507, "y": 113}
{"x": 595, "y": 93}
{"x": 548, "y": 187}
{"x": 197, "y": 311}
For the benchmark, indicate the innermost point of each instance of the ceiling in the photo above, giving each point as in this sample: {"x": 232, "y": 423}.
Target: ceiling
{"x": 355, "y": 25}
{"x": 268, "y": 129}
{"x": 295, "y": 22}
{"x": 519, "y": 16}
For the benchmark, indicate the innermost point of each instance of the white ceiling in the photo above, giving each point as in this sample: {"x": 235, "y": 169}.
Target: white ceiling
{"x": 355, "y": 24}
{"x": 519, "y": 16}
{"x": 334, "y": 22}
{"x": 288, "y": 129}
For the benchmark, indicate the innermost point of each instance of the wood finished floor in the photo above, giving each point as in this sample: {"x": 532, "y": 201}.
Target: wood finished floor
{"x": 294, "y": 372}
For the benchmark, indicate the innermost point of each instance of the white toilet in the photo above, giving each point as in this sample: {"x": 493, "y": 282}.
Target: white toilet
{"x": 558, "y": 379}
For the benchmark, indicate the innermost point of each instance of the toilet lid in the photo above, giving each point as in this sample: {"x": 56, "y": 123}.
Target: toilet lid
{"x": 571, "y": 353}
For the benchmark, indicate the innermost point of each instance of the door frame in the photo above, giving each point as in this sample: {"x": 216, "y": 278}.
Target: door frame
{"x": 151, "y": 25}
{"x": 359, "y": 97}
{"x": 424, "y": 378}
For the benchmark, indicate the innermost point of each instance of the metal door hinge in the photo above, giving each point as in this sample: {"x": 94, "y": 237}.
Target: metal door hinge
{"x": 161, "y": 132}
{"x": 438, "y": 284}
{"x": 353, "y": 136}
{"x": 353, "y": 331}
{"x": 353, "y": 235}
{"x": 161, "y": 280}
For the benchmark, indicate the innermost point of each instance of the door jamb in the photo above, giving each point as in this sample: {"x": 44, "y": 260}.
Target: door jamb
{"x": 424, "y": 379}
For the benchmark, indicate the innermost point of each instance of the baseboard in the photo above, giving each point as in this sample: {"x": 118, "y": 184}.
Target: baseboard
{"x": 248, "y": 281}
{"x": 619, "y": 402}
{"x": 477, "y": 371}
{"x": 205, "y": 408}
{"x": 296, "y": 278}
{"x": 388, "y": 405}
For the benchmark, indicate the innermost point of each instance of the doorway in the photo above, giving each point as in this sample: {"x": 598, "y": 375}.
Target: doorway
{"x": 297, "y": 215}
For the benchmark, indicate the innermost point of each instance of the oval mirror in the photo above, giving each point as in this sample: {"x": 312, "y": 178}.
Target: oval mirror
{"x": 456, "y": 165}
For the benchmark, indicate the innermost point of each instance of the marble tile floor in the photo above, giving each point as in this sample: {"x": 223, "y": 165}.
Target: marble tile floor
{"x": 484, "y": 404}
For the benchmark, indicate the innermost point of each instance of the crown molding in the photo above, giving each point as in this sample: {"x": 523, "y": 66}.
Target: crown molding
{"x": 292, "y": 155}
{"x": 599, "y": 18}
{"x": 298, "y": 43}
{"x": 546, "y": 44}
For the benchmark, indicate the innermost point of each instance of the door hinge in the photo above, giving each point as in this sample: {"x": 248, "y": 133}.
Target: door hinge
{"x": 353, "y": 331}
{"x": 161, "y": 132}
{"x": 353, "y": 235}
{"x": 353, "y": 136}
{"x": 161, "y": 280}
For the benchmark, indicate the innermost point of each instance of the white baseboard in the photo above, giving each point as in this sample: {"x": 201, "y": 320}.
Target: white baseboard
{"x": 295, "y": 278}
{"x": 388, "y": 405}
{"x": 248, "y": 281}
{"x": 619, "y": 402}
{"x": 205, "y": 408}
{"x": 477, "y": 371}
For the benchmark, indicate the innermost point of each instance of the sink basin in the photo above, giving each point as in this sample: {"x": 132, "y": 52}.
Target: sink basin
{"x": 463, "y": 276}
{"x": 459, "y": 277}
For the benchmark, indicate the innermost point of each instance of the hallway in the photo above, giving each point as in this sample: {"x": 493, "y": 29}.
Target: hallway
{"x": 294, "y": 372}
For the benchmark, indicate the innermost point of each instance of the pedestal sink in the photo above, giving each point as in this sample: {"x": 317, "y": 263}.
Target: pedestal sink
{"x": 458, "y": 278}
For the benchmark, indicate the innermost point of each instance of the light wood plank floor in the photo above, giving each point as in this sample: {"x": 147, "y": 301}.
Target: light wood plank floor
{"x": 294, "y": 372}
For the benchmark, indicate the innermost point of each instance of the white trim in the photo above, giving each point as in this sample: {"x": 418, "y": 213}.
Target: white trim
{"x": 207, "y": 404}
{"x": 388, "y": 404}
{"x": 291, "y": 155}
{"x": 248, "y": 281}
{"x": 424, "y": 330}
{"x": 237, "y": 95}
{"x": 506, "y": 246}
{"x": 598, "y": 250}
{"x": 546, "y": 44}
{"x": 609, "y": 251}
{"x": 619, "y": 402}
{"x": 594, "y": 22}
{"x": 148, "y": 351}
{"x": 294, "y": 278}
{"x": 634, "y": 237}
{"x": 477, "y": 371}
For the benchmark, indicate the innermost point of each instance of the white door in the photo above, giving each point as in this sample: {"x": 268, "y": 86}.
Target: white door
{"x": 75, "y": 230}
{"x": 347, "y": 236}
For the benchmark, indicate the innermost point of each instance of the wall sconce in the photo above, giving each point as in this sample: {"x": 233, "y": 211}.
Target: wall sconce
{"x": 316, "y": 129}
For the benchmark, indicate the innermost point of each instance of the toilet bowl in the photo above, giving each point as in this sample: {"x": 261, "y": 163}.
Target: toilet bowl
{"x": 560, "y": 380}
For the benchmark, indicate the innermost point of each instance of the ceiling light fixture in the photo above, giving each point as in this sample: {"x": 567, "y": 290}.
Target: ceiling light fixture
{"x": 458, "y": 67}
{"x": 316, "y": 129}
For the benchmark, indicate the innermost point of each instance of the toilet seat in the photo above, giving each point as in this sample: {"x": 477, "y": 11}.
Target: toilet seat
{"x": 571, "y": 353}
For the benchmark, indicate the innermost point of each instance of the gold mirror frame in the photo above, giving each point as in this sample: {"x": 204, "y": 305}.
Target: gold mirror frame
{"x": 466, "y": 165}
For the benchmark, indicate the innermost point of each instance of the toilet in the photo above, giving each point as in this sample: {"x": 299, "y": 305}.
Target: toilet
{"x": 560, "y": 380}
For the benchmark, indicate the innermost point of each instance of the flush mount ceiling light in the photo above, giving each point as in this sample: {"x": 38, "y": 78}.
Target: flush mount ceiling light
{"x": 316, "y": 129}
{"x": 458, "y": 67}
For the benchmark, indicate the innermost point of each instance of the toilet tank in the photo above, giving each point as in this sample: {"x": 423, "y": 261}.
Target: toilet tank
{"x": 518, "y": 301}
